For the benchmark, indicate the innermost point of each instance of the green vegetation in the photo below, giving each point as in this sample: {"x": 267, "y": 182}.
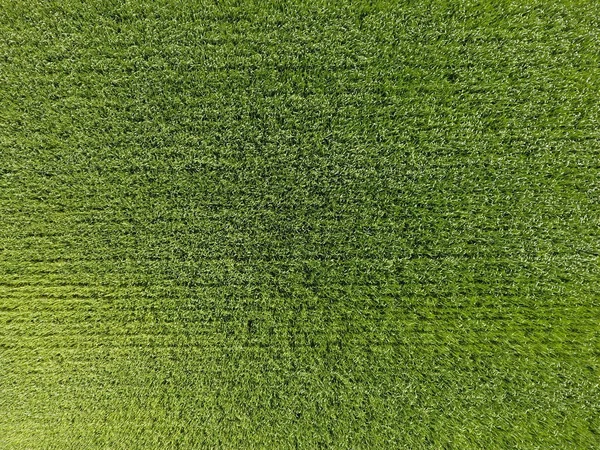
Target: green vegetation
{"x": 300, "y": 225}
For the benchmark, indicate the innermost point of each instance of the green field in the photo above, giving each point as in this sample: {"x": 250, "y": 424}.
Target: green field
{"x": 299, "y": 225}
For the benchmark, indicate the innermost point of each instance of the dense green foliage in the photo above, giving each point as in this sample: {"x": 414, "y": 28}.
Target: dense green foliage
{"x": 299, "y": 225}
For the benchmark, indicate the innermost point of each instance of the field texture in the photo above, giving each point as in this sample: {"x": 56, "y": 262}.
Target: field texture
{"x": 299, "y": 225}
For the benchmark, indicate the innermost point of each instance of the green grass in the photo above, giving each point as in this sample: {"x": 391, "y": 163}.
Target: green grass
{"x": 300, "y": 225}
